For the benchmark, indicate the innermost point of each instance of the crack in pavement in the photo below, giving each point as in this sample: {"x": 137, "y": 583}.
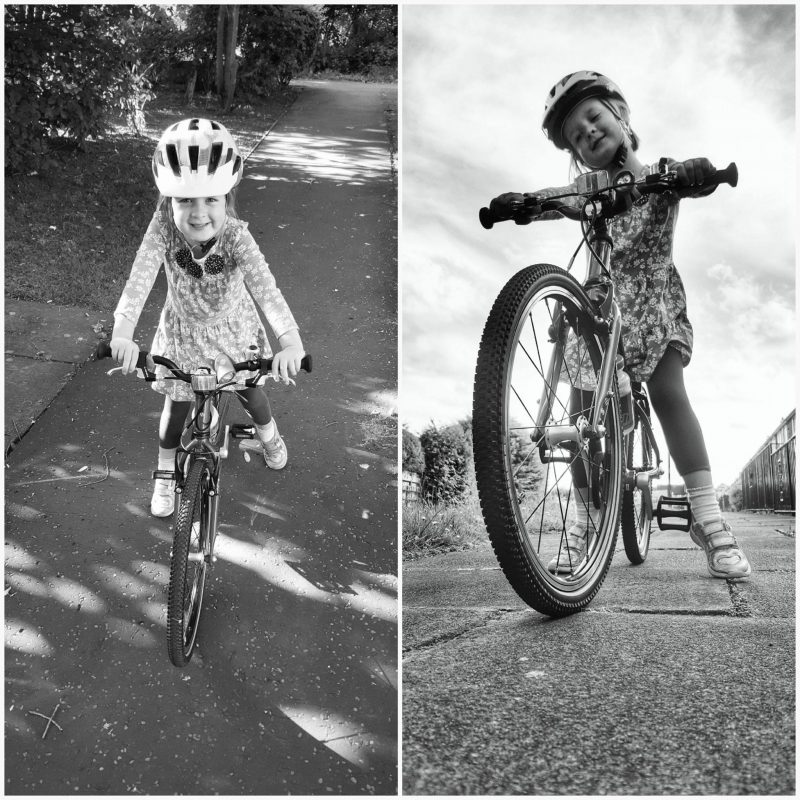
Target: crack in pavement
{"x": 449, "y": 636}
{"x": 740, "y": 607}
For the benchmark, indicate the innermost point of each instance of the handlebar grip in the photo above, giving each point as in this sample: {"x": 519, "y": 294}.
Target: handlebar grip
{"x": 305, "y": 364}
{"x": 729, "y": 175}
{"x": 487, "y": 218}
{"x": 104, "y": 351}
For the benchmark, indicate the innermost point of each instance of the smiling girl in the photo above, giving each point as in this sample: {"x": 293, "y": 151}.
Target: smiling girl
{"x": 586, "y": 115}
{"x": 215, "y": 276}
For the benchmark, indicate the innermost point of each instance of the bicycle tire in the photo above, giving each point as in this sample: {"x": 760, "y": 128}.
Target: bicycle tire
{"x": 188, "y": 567}
{"x": 523, "y": 552}
{"x": 637, "y": 503}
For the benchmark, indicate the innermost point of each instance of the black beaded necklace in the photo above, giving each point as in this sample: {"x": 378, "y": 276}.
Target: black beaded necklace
{"x": 214, "y": 264}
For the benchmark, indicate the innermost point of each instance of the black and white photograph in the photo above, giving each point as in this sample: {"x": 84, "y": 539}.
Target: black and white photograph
{"x": 597, "y": 399}
{"x": 201, "y": 411}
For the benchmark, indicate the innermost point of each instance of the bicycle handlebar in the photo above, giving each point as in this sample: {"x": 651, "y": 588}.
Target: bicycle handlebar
{"x": 614, "y": 199}
{"x": 262, "y": 365}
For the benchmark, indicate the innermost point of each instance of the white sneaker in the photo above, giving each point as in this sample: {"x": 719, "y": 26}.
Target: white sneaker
{"x": 571, "y": 551}
{"x": 275, "y": 453}
{"x": 163, "y": 502}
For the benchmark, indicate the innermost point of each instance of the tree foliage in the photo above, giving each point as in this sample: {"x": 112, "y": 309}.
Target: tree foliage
{"x": 525, "y": 461}
{"x": 66, "y": 68}
{"x": 70, "y": 68}
{"x": 413, "y": 455}
{"x": 448, "y": 462}
{"x": 357, "y": 39}
{"x": 276, "y": 45}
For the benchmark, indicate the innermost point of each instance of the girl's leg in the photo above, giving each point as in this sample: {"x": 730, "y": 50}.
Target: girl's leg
{"x": 173, "y": 418}
{"x": 256, "y": 405}
{"x": 678, "y": 420}
{"x": 688, "y": 450}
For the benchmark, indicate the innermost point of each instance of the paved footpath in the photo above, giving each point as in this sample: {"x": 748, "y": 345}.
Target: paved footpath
{"x": 671, "y": 683}
{"x": 294, "y": 686}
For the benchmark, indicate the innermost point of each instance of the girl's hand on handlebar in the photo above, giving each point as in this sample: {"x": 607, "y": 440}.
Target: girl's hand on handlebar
{"x": 287, "y": 362}
{"x": 521, "y": 208}
{"x": 506, "y": 205}
{"x": 693, "y": 173}
{"x": 125, "y": 352}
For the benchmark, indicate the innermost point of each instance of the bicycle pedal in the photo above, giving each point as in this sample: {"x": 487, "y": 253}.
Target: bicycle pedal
{"x": 674, "y": 508}
{"x": 167, "y": 474}
{"x": 242, "y": 432}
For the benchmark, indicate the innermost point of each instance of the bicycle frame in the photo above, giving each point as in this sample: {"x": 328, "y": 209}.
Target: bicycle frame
{"x": 200, "y": 447}
{"x": 608, "y": 322}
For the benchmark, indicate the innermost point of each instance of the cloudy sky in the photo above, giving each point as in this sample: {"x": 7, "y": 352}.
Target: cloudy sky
{"x": 715, "y": 81}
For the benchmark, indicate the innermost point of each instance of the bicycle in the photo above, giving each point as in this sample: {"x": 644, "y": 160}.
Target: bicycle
{"x": 197, "y": 476}
{"x": 547, "y": 403}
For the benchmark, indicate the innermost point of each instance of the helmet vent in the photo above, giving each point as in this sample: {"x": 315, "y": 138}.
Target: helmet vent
{"x": 216, "y": 154}
{"x": 194, "y": 155}
{"x": 194, "y": 125}
{"x": 174, "y": 162}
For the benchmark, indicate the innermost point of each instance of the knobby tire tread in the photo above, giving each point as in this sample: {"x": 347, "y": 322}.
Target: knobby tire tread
{"x": 488, "y": 446}
{"x": 190, "y": 506}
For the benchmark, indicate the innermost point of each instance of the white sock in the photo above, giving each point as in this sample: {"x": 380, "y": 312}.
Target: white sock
{"x": 266, "y": 432}
{"x": 585, "y": 512}
{"x": 166, "y": 457}
{"x": 705, "y": 508}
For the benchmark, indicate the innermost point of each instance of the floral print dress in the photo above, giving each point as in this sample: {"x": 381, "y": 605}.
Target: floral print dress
{"x": 209, "y": 307}
{"x": 649, "y": 290}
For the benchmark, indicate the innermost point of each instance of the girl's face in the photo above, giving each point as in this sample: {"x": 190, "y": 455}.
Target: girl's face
{"x": 593, "y": 133}
{"x": 199, "y": 218}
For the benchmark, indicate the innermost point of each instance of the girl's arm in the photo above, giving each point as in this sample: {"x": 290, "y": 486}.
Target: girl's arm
{"x": 502, "y": 206}
{"x": 137, "y": 289}
{"x": 261, "y": 283}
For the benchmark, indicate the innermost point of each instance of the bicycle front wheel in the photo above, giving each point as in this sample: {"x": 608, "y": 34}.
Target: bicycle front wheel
{"x": 637, "y": 499}
{"x": 537, "y": 369}
{"x": 188, "y": 565}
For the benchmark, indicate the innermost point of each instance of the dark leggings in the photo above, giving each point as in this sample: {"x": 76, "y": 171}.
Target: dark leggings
{"x": 173, "y": 417}
{"x": 675, "y": 414}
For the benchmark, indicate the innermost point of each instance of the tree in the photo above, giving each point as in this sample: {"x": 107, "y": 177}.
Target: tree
{"x": 277, "y": 43}
{"x": 356, "y": 39}
{"x": 526, "y": 464}
{"x": 413, "y": 455}
{"x": 227, "y": 32}
{"x": 66, "y": 68}
{"x": 448, "y": 463}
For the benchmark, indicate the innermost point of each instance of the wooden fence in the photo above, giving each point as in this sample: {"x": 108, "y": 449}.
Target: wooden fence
{"x": 768, "y": 480}
{"x": 412, "y": 486}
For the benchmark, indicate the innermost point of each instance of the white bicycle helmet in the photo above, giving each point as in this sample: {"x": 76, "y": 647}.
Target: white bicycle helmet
{"x": 196, "y": 158}
{"x": 567, "y": 93}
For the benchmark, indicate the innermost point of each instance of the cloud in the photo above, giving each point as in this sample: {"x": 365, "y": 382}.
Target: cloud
{"x": 700, "y": 80}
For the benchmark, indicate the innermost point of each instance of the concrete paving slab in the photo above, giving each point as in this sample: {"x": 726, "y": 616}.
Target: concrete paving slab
{"x": 601, "y": 704}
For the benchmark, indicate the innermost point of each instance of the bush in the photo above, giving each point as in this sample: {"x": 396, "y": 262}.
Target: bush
{"x": 66, "y": 67}
{"x": 413, "y": 456}
{"x": 448, "y": 463}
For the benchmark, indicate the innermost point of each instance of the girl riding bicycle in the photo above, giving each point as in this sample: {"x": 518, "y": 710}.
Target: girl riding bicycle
{"x": 586, "y": 114}
{"x": 215, "y": 271}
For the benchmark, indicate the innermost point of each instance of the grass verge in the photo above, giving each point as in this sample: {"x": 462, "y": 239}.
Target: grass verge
{"x": 429, "y": 528}
{"x": 71, "y": 233}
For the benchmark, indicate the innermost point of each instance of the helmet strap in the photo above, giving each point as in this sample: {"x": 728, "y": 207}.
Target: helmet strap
{"x": 621, "y": 156}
